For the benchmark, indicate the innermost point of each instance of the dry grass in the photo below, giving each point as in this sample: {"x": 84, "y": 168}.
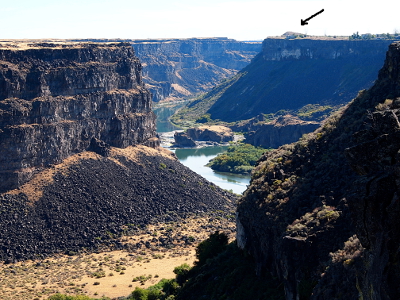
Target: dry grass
{"x": 180, "y": 89}
{"x": 216, "y": 128}
{"x": 162, "y": 247}
{"x": 25, "y": 44}
{"x": 114, "y": 273}
{"x": 34, "y": 187}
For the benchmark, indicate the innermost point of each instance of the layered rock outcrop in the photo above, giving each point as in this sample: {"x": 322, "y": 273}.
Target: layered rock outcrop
{"x": 79, "y": 157}
{"x": 301, "y": 49}
{"x": 56, "y": 97}
{"x": 214, "y": 134}
{"x": 283, "y": 130}
{"x": 322, "y": 214}
{"x": 181, "y": 139}
{"x": 181, "y": 68}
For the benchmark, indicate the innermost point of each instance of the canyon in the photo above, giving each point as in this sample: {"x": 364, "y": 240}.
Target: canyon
{"x": 79, "y": 155}
{"x": 289, "y": 74}
{"x": 183, "y": 68}
{"x": 177, "y": 69}
{"x": 81, "y": 164}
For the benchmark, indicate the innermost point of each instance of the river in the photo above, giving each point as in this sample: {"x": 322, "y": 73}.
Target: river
{"x": 197, "y": 158}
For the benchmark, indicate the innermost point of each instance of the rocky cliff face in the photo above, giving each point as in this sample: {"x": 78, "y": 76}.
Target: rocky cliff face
{"x": 210, "y": 134}
{"x": 283, "y": 130}
{"x": 79, "y": 159}
{"x": 56, "y": 97}
{"x": 321, "y": 214}
{"x": 289, "y": 74}
{"x": 182, "y": 68}
{"x": 300, "y": 49}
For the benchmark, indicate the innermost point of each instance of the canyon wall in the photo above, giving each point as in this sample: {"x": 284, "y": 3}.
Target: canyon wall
{"x": 299, "y": 49}
{"x": 57, "y": 98}
{"x": 181, "y": 68}
{"x": 291, "y": 73}
{"x": 322, "y": 214}
{"x": 283, "y": 130}
{"x": 80, "y": 164}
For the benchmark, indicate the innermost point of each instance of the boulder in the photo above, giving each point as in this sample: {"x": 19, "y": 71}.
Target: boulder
{"x": 183, "y": 140}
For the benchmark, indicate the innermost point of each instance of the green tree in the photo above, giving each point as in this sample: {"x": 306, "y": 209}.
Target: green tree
{"x": 211, "y": 247}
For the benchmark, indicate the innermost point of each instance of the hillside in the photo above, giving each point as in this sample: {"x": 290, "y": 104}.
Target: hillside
{"x": 88, "y": 200}
{"x": 289, "y": 74}
{"x": 322, "y": 214}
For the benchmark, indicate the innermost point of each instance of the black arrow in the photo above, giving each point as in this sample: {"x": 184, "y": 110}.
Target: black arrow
{"x": 304, "y": 22}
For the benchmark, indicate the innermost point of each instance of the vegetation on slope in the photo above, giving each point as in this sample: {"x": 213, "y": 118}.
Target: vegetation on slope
{"x": 268, "y": 86}
{"x": 195, "y": 111}
{"x": 239, "y": 159}
{"x": 222, "y": 271}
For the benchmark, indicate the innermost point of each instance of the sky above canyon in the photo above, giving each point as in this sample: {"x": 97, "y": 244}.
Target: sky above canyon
{"x": 241, "y": 20}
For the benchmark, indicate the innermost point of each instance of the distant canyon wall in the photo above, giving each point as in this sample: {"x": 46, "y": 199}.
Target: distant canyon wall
{"x": 289, "y": 49}
{"x": 181, "y": 68}
{"x": 289, "y": 74}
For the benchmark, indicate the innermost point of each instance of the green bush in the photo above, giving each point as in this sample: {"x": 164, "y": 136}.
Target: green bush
{"x": 237, "y": 159}
{"x": 165, "y": 289}
{"x": 230, "y": 275}
{"x": 211, "y": 247}
{"x": 204, "y": 119}
{"x": 181, "y": 273}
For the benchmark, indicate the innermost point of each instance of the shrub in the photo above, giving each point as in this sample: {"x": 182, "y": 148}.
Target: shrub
{"x": 181, "y": 273}
{"x": 238, "y": 159}
{"x": 211, "y": 247}
{"x": 204, "y": 119}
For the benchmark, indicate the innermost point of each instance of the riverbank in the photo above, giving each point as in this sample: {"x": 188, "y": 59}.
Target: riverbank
{"x": 167, "y": 140}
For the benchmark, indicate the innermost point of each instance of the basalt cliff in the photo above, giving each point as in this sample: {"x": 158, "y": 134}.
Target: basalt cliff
{"x": 57, "y": 98}
{"x": 80, "y": 162}
{"x": 182, "y": 68}
{"x": 321, "y": 215}
{"x": 291, "y": 73}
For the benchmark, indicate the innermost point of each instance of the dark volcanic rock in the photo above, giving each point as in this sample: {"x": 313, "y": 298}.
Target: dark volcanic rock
{"x": 99, "y": 147}
{"x": 87, "y": 199}
{"x": 183, "y": 140}
{"x": 284, "y": 130}
{"x": 55, "y": 98}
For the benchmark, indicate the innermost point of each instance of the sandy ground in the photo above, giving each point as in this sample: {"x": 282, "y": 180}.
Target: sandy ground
{"x": 112, "y": 273}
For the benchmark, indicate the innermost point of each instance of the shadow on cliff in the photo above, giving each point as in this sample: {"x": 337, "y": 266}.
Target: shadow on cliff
{"x": 310, "y": 219}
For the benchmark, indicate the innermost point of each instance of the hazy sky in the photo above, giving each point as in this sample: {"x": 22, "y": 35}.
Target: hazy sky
{"x": 242, "y": 20}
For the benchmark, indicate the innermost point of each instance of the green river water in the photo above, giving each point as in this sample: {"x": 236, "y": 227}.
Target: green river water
{"x": 197, "y": 158}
